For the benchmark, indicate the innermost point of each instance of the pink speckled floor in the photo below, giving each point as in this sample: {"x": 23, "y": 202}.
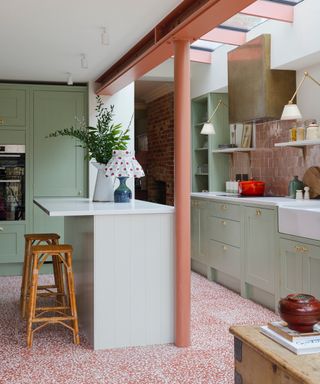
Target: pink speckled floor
{"x": 54, "y": 359}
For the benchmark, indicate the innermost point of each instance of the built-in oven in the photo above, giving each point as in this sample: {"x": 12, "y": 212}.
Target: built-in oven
{"x": 12, "y": 182}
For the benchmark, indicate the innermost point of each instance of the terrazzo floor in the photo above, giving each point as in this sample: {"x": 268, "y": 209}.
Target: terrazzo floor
{"x": 54, "y": 359}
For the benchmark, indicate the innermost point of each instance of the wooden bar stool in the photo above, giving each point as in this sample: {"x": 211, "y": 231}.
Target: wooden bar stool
{"x": 64, "y": 314}
{"x": 37, "y": 239}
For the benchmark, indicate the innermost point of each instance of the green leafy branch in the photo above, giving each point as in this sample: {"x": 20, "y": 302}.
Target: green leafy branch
{"x": 101, "y": 140}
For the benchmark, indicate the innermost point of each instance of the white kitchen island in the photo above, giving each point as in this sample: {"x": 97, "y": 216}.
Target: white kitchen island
{"x": 124, "y": 269}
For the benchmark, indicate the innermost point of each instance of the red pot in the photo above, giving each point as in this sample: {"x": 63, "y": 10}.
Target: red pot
{"x": 300, "y": 311}
{"x": 251, "y": 188}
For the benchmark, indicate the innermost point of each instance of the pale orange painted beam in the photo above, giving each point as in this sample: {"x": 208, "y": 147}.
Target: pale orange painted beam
{"x": 200, "y": 56}
{"x": 182, "y": 182}
{"x": 225, "y": 36}
{"x": 140, "y": 61}
{"x": 269, "y": 10}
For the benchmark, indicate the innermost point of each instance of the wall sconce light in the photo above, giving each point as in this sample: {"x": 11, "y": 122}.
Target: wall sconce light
{"x": 84, "y": 61}
{"x": 69, "y": 80}
{"x": 291, "y": 111}
{"x": 104, "y": 36}
{"x": 208, "y": 128}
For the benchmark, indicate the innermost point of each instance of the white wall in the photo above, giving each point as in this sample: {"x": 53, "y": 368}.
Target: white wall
{"x": 308, "y": 98}
{"x": 123, "y": 102}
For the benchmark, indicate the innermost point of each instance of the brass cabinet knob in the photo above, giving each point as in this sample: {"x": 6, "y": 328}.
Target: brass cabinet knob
{"x": 305, "y": 249}
{"x": 1, "y": 121}
{"x": 258, "y": 212}
{"x": 223, "y": 222}
{"x": 225, "y": 248}
{"x": 224, "y": 207}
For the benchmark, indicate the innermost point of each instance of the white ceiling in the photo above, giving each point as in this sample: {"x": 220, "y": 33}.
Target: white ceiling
{"x": 42, "y": 40}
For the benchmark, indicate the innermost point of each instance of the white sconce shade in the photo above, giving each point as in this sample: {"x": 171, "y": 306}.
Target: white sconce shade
{"x": 291, "y": 112}
{"x": 208, "y": 129}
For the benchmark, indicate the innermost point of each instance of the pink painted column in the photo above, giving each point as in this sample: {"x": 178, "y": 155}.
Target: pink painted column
{"x": 182, "y": 189}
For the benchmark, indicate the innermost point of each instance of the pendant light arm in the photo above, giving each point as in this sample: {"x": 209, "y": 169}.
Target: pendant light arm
{"x": 305, "y": 75}
{"x": 215, "y": 110}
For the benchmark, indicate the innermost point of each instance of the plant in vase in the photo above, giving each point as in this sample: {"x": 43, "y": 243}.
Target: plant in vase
{"x": 99, "y": 141}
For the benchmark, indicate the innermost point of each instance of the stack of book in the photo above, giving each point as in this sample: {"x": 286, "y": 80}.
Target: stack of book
{"x": 297, "y": 342}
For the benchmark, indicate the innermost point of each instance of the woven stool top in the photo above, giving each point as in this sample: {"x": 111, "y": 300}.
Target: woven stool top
{"x": 52, "y": 248}
{"x": 41, "y": 236}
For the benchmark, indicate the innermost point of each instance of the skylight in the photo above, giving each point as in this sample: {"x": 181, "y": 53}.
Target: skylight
{"x": 243, "y": 23}
{"x": 288, "y": 2}
{"x": 205, "y": 45}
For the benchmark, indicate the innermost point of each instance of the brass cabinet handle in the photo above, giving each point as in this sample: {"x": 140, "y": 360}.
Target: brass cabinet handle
{"x": 1, "y": 121}
{"x": 223, "y": 222}
{"x": 258, "y": 212}
{"x": 225, "y": 248}
{"x": 1, "y": 229}
{"x": 224, "y": 207}
{"x": 301, "y": 249}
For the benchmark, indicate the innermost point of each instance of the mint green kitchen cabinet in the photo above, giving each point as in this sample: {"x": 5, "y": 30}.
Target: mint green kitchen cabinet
{"x": 12, "y": 247}
{"x": 224, "y": 240}
{"x": 260, "y": 230}
{"x": 300, "y": 266}
{"x": 54, "y": 167}
{"x": 209, "y": 172}
{"x": 199, "y": 243}
{"x": 13, "y": 107}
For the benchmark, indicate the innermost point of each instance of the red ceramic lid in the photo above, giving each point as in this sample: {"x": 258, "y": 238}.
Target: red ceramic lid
{"x": 299, "y": 303}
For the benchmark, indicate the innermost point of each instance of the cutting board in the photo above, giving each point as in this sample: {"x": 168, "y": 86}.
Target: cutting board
{"x": 311, "y": 178}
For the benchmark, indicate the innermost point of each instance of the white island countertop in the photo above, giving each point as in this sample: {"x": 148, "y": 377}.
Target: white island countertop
{"x": 77, "y": 206}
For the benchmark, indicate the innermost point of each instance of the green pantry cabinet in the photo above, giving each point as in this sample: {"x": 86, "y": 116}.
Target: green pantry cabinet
{"x": 54, "y": 167}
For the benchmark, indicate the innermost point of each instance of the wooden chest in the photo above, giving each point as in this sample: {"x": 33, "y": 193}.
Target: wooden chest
{"x": 259, "y": 360}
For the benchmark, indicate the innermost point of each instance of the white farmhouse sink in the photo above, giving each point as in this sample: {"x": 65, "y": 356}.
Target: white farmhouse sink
{"x": 300, "y": 218}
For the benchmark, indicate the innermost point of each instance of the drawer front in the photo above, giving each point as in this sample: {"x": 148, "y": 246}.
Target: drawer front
{"x": 226, "y": 211}
{"x": 12, "y": 108}
{"x": 224, "y": 230}
{"x": 12, "y": 243}
{"x": 224, "y": 258}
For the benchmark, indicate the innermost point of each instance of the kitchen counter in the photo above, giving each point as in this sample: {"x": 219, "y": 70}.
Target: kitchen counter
{"x": 261, "y": 200}
{"x": 86, "y": 207}
{"x": 295, "y": 217}
{"x": 117, "y": 247}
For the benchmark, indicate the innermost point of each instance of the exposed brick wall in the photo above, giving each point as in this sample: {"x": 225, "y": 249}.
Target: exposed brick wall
{"x": 275, "y": 166}
{"x": 160, "y": 123}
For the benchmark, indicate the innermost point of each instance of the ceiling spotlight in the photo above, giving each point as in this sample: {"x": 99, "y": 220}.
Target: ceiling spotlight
{"x": 84, "y": 61}
{"x": 69, "y": 81}
{"x": 104, "y": 36}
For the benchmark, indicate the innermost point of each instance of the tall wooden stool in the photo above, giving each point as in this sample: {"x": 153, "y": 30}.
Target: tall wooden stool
{"x": 64, "y": 314}
{"x": 37, "y": 239}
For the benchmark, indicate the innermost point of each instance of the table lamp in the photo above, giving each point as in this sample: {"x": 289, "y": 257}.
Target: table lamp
{"x": 123, "y": 165}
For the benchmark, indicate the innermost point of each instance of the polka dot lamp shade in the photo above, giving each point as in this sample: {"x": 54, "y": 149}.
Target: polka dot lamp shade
{"x": 123, "y": 164}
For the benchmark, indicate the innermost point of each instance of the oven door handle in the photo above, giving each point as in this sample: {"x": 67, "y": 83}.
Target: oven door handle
{"x": 5, "y": 155}
{"x": 10, "y": 181}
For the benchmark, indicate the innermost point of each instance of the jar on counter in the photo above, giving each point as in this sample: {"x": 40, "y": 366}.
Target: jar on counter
{"x": 312, "y": 131}
{"x": 300, "y": 133}
{"x": 293, "y": 133}
{"x": 294, "y": 185}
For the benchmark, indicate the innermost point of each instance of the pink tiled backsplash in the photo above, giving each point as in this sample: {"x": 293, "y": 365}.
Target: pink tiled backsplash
{"x": 275, "y": 166}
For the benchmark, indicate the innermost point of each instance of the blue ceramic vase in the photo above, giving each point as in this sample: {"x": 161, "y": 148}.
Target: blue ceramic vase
{"x": 122, "y": 194}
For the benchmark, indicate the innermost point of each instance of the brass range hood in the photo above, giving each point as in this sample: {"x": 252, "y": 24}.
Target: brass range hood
{"x": 256, "y": 92}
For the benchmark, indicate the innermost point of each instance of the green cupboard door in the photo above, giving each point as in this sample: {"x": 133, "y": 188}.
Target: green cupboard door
{"x": 259, "y": 249}
{"x": 59, "y": 165}
{"x": 12, "y": 108}
{"x": 290, "y": 267}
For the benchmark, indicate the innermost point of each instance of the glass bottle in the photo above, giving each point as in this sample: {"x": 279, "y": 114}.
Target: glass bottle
{"x": 294, "y": 185}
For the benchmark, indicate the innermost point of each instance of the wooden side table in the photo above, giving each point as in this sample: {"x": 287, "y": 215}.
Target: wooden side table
{"x": 260, "y": 360}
